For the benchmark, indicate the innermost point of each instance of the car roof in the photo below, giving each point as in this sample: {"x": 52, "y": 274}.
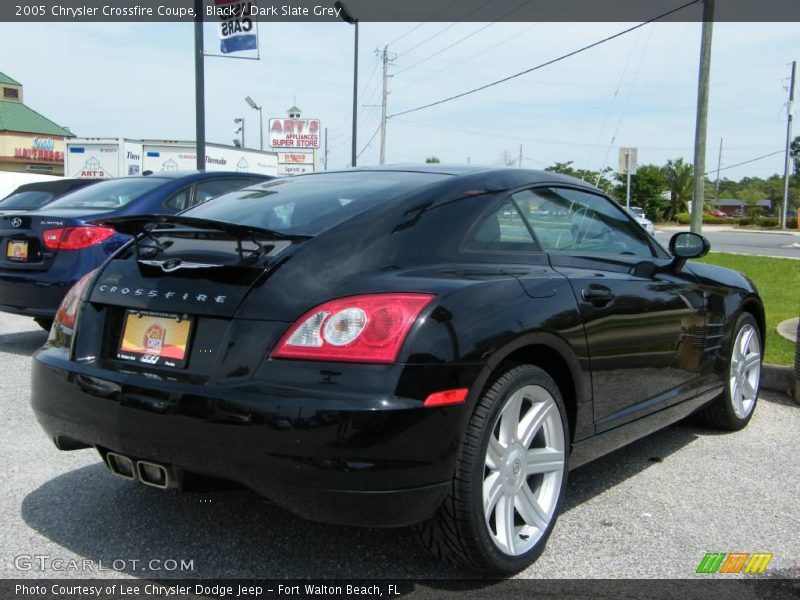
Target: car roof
{"x": 494, "y": 177}
{"x": 57, "y": 186}
{"x": 194, "y": 173}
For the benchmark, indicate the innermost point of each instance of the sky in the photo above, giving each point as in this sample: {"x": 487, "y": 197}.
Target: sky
{"x": 137, "y": 80}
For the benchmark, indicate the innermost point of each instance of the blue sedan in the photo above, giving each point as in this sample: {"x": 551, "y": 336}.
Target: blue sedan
{"x": 43, "y": 253}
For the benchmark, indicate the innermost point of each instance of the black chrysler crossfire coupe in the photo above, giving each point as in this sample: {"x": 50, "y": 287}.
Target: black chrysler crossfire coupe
{"x": 386, "y": 347}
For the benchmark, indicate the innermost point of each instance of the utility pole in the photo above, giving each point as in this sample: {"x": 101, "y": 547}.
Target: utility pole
{"x": 787, "y": 166}
{"x": 701, "y": 124}
{"x": 519, "y": 165}
{"x": 383, "y": 103}
{"x": 719, "y": 162}
{"x": 326, "y": 148}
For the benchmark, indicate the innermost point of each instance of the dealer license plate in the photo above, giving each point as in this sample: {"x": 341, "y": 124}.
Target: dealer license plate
{"x": 17, "y": 250}
{"x": 158, "y": 339}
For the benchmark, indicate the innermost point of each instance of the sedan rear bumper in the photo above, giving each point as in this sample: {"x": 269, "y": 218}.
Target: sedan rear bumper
{"x": 31, "y": 294}
{"x": 325, "y": 456}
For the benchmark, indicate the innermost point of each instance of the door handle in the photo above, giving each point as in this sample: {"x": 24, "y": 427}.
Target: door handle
{"x": 597, "y": 295}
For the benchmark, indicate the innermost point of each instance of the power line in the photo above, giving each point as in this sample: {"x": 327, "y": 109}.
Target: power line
{"x": 549, "y": 62}
{"x": 466, "y": 37}
{"x": 744, "y": 162}
{"x": 471, "y": 56}
{"x": 484, "y": 50}
{"x": 450, "y": 26}
{"x": 413, "y": 29}
{"x": 372, "y": 137}
{"x": 627, "y": 100}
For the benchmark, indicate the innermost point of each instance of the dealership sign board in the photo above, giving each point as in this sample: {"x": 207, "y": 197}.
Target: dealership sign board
{"x": 294, "y": 133}
{"x": 237, "y": 30}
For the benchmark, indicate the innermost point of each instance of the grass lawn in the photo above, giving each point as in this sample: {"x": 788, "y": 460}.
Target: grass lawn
{"x": 778, "y": 282}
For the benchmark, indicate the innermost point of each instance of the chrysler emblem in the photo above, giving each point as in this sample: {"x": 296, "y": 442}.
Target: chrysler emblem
{"x": 173, "y": 264}
{"x": 16, "y": 222}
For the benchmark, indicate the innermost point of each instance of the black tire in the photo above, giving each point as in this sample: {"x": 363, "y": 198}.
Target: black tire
{"x": 44, "y": 323}
{"x": 460, "y": 532}
{"x": 721, "y": 413}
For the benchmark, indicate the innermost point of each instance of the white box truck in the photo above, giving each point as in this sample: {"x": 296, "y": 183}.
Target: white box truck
{"x": 104, "y": 158}
{"x": 173, "y": 156}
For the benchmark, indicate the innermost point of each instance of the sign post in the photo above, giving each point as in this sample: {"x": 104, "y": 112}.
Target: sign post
{"x": 627, "y": 165}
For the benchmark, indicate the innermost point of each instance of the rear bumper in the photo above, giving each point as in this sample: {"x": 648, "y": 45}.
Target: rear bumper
{"x": 325, "y": 455}
{"x": 30, "y": 294}
{"x": 39, "y": 292}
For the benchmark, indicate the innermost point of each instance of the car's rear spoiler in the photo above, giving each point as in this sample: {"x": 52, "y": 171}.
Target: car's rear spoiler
{"x": 151, "y": 224}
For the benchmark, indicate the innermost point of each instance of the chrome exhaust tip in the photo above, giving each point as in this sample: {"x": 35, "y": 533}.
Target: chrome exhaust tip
{"x": 120, "y": 465}
{"x": 153, "y": 474}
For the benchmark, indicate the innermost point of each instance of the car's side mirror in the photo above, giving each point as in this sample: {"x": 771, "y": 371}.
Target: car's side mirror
{"x": 686, "y": 245}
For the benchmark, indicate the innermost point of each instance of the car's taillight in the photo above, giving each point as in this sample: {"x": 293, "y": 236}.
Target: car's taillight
{"x": 369, "y": 328}
{"x": 67, "y": 313}
{"x": 75, "y": 238}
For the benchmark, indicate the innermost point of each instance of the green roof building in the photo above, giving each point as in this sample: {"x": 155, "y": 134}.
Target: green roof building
{"x": 29, "y": 141}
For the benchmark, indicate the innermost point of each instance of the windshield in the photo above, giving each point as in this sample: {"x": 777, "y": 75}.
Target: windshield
{"x": 310, "y": 204}
{"x": 25, "y": 200}
{"x": 113, "y": 193}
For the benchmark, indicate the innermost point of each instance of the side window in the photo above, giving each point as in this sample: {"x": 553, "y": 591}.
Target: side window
{"x": 206, "y": 190}
{"x": 179, "y": 200}
{"x": 502, "y": 230}
{"x": 567, "y": 220}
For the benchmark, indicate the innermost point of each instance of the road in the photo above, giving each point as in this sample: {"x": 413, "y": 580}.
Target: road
{"x": 778, "y": 244}
{"x": 651, "y": 510}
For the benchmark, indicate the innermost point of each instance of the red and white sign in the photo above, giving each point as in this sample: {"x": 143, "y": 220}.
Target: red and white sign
{"x": 294, "y": 133}
{"x": 295, "y": 158}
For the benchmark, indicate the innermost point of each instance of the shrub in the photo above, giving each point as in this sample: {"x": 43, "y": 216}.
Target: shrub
{"x": 791, "y": 222}
{"x": 744, "y": 221}
{"x": 766, "y": 221}
{"x": 683, "y": 218}
{"x": 714, "y": 220}
{"x": 686, "y": 218}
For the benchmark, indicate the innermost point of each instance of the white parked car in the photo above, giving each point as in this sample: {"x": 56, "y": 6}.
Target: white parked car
{"x": 638, "y": 214}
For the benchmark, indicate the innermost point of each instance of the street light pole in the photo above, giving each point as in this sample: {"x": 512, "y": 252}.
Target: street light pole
{"x": 255, "y": 106}
{"x": 199, "y": 87}
{"x": 347, "y": 17}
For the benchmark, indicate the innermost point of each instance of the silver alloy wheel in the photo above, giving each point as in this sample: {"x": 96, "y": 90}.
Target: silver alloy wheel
{"x": 523, "y": 470}
{"x": 745, "y": 371}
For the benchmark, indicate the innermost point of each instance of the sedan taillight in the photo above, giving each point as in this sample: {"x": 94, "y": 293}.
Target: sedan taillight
{"x": 369, "y": 329}
{"x": 75, "y": 238}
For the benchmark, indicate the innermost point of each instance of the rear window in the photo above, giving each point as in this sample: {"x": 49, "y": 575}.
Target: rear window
{"x": 26, "y": 200}
{"x": 311, "y": 203}
{"x": 113, "y": 193}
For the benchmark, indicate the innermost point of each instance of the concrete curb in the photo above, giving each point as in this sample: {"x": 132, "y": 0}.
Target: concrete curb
{"x": 788, "y": 329}
{"x": 778, "y": 378}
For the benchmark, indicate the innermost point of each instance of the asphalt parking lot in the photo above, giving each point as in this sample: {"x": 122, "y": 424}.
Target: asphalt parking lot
{"x": 649, "y": 511}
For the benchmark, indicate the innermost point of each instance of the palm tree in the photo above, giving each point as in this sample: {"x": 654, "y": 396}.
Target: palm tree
{"x": 679, "y": 180}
